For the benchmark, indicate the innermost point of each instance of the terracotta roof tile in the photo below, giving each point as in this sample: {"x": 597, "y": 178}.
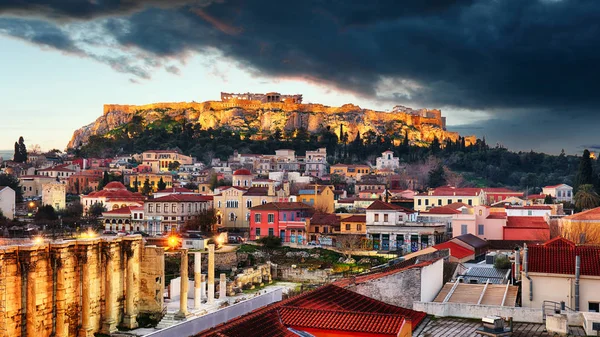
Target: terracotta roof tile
{"x": 356, "y": 218}
{"x": 557, "y": 256}
{"x": 527, "y": 222}
{"x": 443, "y": 210}
{"x": 275, "y": 206}
{"x": 456, "y": 250}
{"x": 590, "y": 214}
{"x": 379, "y": 205}
{"x": 183, "y": 198}
{"x": 496, "y": 215}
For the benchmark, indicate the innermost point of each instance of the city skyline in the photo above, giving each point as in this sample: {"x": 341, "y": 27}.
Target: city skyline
{"x": 491, "y": 68}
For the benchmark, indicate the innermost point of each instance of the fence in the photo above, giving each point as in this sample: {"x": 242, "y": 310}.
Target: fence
{"x": 197, "y": 324}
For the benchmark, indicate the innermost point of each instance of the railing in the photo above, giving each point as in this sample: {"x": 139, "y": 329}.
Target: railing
{"x": 556, "y": 307}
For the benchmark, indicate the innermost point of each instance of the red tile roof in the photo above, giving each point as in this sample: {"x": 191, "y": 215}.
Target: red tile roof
{"x": 456, "y": 250}
{"x": 536, "y": 207}
{"x": 242, "y": 172}
{"x": 536, "y": 196}
{"x": 356, "y": 218}
{"x": 175, "y": 190}
{"x": 557, "y": 256}
{"x": 270, "y": 321}
{"x": 325, "y": 219}
{"x": 379, "y": 205}
{"x": 496, "y": 215}
{"x": 443, "y": 210}
{"x": 118, "y": 211}
{"x": 183, "y": 198}
{"x": 372, "y": 323}
{"x": 276, "y": 206}
{"x": 527, "y": 222}
{"x": 590, "y": 214}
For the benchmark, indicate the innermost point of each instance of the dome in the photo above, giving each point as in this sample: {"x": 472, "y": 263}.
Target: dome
{"x": 242, "y": 172}
{"x": 115, "y": 186}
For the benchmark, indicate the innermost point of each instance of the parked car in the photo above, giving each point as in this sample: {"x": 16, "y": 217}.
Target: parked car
{"x": 235, "y": 239}
{"x": 314, "y": 244}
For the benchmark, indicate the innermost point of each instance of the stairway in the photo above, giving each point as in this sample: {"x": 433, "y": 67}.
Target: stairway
{"x": 167, "y": 321}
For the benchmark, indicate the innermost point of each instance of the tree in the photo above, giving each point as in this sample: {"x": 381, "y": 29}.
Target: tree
{"x": 174, "y": 166}
{"x": 146, "y": 189}
{"x": 502, "y": 262}
{"x": 435, "y": 145}
{"x": 437, "y": 176}
{"x": 191, "y": 186}
{"x": 350, "y": 243}
{"x": 46, "y": 213}
{"x": 269, "y": 244}
{"x": 161, "y": 184}
{"x": 586, "y": 197}
{"x": 203, "y": 221}
{"x": 105, "y": 180}
{"x": 96, "y": 209}
{"x": 214, "y": 181}
{"x": 548, "y": 199}
{"x": 585, "y": 173}
{"x": 17, "y": 156}
{"x": 12, "y": 182}
{"x": 136, "y": 185}
{"x": 22, "y": 149}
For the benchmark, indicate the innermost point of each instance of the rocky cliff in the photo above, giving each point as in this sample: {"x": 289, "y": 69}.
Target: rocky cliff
{"x": 264, "y": 118}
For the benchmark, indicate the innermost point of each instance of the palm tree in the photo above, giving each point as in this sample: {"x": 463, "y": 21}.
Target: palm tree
{"x": 586, "y": 197}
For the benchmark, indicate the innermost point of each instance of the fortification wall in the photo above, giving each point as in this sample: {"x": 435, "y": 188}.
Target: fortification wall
{"x": 76, "y": 287}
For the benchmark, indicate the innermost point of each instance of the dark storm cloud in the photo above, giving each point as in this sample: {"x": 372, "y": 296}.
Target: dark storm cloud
{"x": 489, "y": 55}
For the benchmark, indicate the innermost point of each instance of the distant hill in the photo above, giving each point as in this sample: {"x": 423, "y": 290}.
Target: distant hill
{"x": 259, "y": 119}
{"x": 6, "y": 154}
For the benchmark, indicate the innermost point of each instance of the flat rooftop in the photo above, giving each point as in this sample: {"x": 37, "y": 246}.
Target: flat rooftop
{"x": 464, "y": 327}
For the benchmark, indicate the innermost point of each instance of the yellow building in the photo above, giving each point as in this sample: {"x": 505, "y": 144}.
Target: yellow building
{"x": 355, "y": 224}
{"x": 447, "y": 195}
{"x": 350, "y": 171}
{"x": 586, "y": 222}
{"x": 318, "y": 196}
{"x": 153, "y": 179}
{"x": 159, "y": 160}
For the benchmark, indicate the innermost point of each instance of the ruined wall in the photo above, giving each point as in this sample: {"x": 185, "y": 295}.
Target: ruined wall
{"x": 70, "y": 288}
{"x": 400, "y": 289}
{"x": 152, "y": 280}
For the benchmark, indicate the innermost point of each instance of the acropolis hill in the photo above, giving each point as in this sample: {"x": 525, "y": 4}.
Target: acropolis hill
{"x": 264, "y": 113}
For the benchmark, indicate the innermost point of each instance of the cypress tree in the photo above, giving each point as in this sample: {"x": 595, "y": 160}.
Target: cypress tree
{"x": 585, "y": 173}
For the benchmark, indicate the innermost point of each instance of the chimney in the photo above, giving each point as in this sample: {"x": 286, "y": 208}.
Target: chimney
{"x": 517, "y": 264}
{"x": 526, "y": 269}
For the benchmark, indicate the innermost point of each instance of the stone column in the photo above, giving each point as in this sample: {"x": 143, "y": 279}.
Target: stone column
{"x": 197, "y": 280}
{"x": 131, "y": 254}
{"x": 419, "y": 242}
{"x": 30, "y": 266}
{"x": 222, "y": 287}
{"x": 183, "y": 312}
{"x": 85, "y": 330}
{"x": 62, "y": 328}
{"x": 431, "y": 240}
{"x": 110, "y": 322}
{"x": 211, "y": 273}
{"x": 203, "y": 286}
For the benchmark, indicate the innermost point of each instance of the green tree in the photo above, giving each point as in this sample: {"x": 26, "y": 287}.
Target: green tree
{"x": 502, "y": 262}
{"x": 191, "y": 186}
{"x": 146, "y": 189}
{"x": 17, "y": 156}
{"x": 46, "y": 213}
{"x": 585, "y": 173}
{"x": 174, "y": 166}
{"x": 203, "y": 221}
{"x": 214, "y": 181}
{"x": 12, "y": 182}
{"x": 586, "y": 197}
{"x": 161, "y": 184}
{"x": 104, "y": 181}
{"x": 548, "y": 199}
{"x": 269, "y": 244}
{"x": 435, "y": 145}
{"x": 136, "y": 185}
{"x": 96, "y": 210}
{"x": 437, "y": 176}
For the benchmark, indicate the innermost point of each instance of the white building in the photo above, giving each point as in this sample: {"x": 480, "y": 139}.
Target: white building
{"x": 387, "y": 161}
{"x": 7, "y": 202}
{"x": 560, "y": 192}
{"x": 316, "y": 163}
{"x": 534, "y": 210}
{"x": 54, "y": 194}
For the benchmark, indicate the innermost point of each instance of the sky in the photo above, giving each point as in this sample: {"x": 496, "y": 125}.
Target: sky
{"x": 517, "y": 72}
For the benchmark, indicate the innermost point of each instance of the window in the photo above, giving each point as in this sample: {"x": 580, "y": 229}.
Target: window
{"x": 232, "y": 217}
{"x": 593, "y": 306}
{"x": 480, "y": 212}
{"x": 419, "y": 202}
{"x": 284, "y": 216}
{"x": 376, "y": 217}
{"x": 439, "y": 202}
{"x": 264, "y": 202}
{"x": 173, "y": 208}
{"x": 157, "y": 208}
{"x": 149, "y": 208}
{"x": 271, "y": 232}
{"x": 271, "y": 218}
{"x": 426, "y": 202}
{"x": 385, "y": 218}
{"x": 248, "y": 203}
{"x": 348, "y": 226}
{"x": 459, "y": 200}
{"x": 316, "y": 229}
{"x": 219, "y": 203}
{"x": 449, "y": 201}
{"x": 463, "y": 229}
{"x": 529, "y": 212}
{"x": 470, "y": 202}
{"x": 358, "y": 227}
{"x": 480, "y": 229}
{"x": 258, "y": 230}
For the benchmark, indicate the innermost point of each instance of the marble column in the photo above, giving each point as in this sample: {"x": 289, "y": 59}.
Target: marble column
{"x": 85, "y": 330}
{"x": 31, "y": 292}
{"x": 211, "y": 273}
{"x": 203, "y": 286}
{"x": 129, "y": 320}
{"x": 197, "y": 280}
{"x": 62, "y": 327}
{"x": 183, "y": 312}
{"x": 110, "y": 323}
{"x": 222, "y": 287}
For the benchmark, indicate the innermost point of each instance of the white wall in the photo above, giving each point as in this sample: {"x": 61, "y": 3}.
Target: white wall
{"x": 557, "y": 288}
{"x": 7, "y": 202}
{"x": 432, "y": 280}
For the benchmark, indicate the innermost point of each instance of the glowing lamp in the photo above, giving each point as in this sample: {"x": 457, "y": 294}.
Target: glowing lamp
{"x": 38, "y": 240}
{"x": 172, "y": 241}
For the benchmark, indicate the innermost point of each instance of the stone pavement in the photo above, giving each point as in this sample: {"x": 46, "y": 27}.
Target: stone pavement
{"x": 463, "y": 327}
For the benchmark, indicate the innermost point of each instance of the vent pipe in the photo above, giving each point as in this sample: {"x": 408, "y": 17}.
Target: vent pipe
{"x": 526, "y": 268}
{"x": 517, "y": 264}
{"x": 577, "y": 275}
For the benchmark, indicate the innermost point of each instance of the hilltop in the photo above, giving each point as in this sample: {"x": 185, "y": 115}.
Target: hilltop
{"x": 261, "y": 115}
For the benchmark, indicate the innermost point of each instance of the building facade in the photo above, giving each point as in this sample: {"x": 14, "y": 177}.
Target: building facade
{"x": 286, "y": 220}
{"x": 387, "y": 161}
{"x": 560, "y": 192}
{"x": 169, "y": 213}
{"x": 159, "y": 160}
{"x": 7, "y": 202}
{"x": 55, "y": 194}
{"x": 316, "y": 163}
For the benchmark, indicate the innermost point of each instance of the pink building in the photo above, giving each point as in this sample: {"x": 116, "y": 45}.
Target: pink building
{"x": 286, "y": 220}
{"x": 481, "y": 222}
